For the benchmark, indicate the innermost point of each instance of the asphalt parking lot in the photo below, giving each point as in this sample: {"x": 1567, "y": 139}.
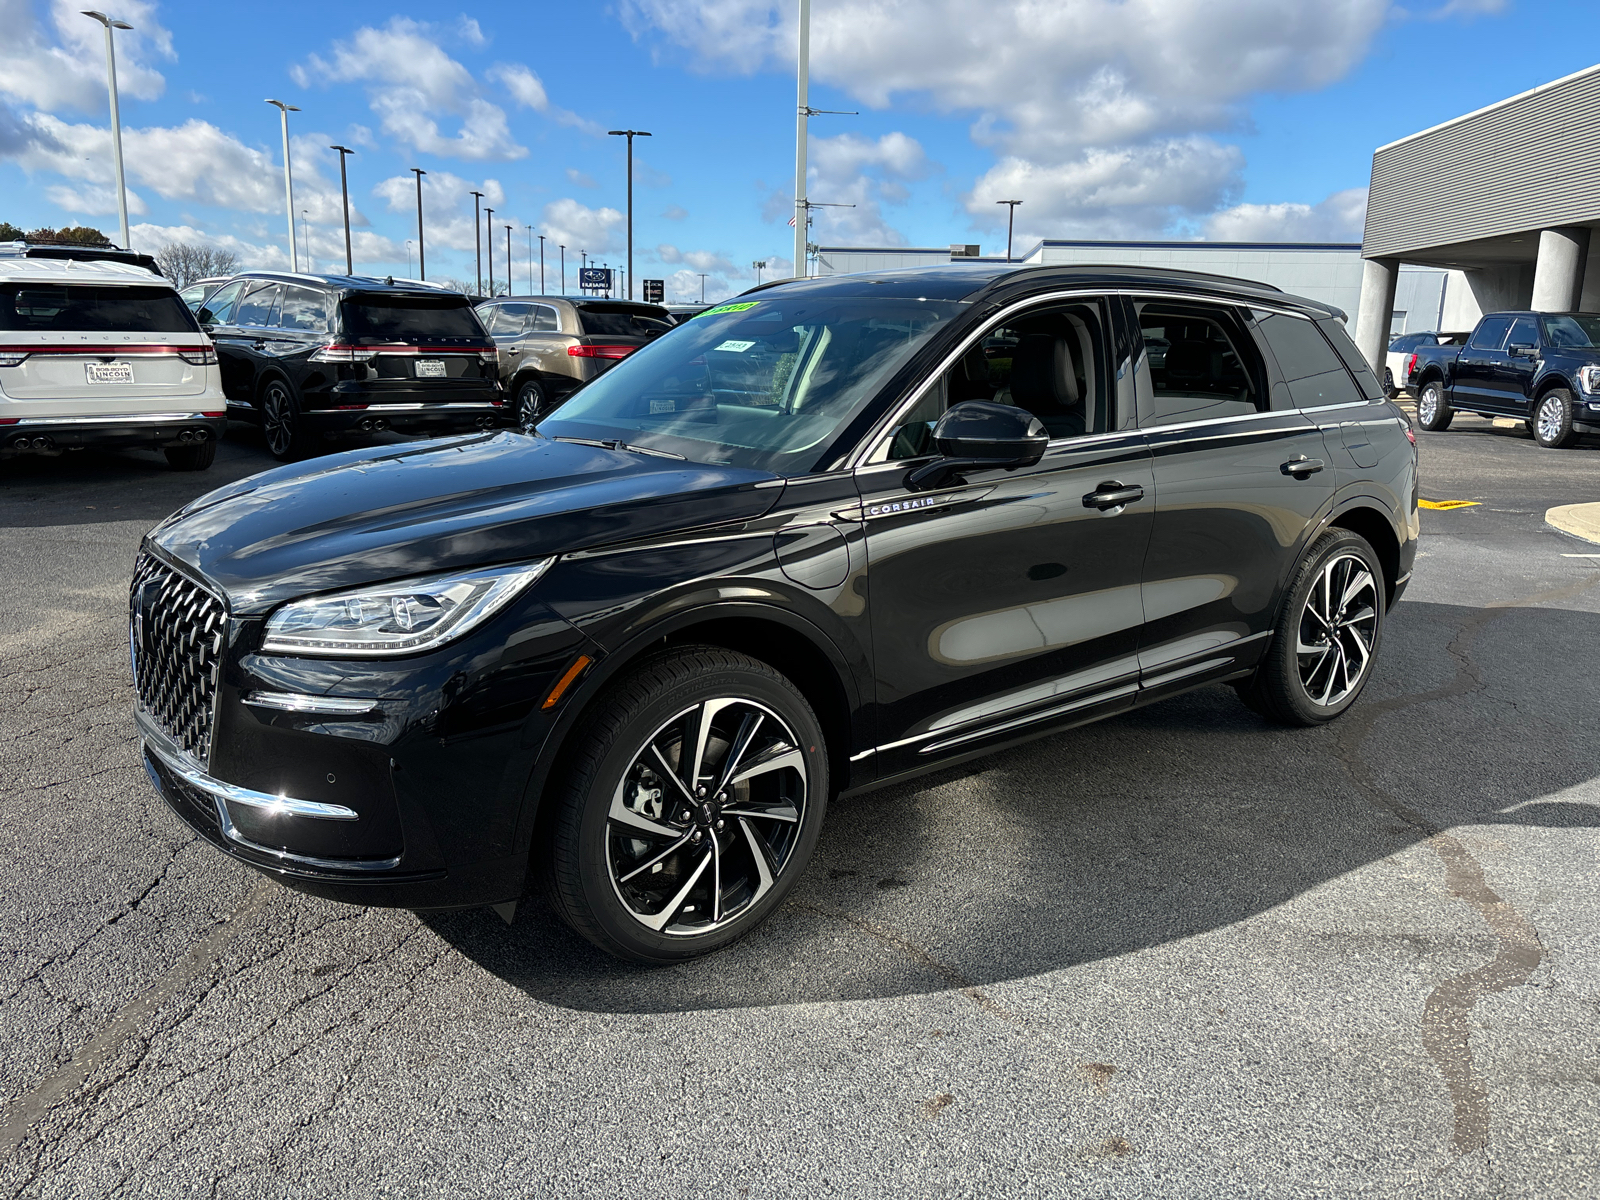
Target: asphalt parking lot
{"x": 1180, "y": 953}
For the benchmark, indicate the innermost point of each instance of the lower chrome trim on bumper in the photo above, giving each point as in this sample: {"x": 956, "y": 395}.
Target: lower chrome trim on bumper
{"x": 219, "y": 790}
{"x": 120, "y": 419}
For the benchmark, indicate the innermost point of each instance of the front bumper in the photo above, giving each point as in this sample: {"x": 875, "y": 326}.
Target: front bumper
{"x": 110, "y": 430}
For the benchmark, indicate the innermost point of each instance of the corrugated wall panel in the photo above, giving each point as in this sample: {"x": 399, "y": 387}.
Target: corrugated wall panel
{"x": 1532, "y": 163}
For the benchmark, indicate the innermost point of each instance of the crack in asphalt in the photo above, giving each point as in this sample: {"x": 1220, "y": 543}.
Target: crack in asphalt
{"x": 23, "y": 1112}
{"x": 1447, "y": 1012}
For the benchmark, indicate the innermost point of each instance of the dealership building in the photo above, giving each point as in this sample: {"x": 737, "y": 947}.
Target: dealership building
{"x": 1503, "y": 199}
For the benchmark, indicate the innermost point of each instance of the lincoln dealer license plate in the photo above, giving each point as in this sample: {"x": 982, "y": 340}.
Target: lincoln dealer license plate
{"x": 430, "y": 368}
{"x": 109, "y": 372}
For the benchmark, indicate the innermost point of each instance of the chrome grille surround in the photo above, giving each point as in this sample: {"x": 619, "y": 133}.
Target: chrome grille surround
{"x": 176, "y": 631}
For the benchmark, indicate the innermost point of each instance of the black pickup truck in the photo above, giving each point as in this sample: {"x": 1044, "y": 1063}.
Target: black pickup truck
{"x": 1543, "y": 368}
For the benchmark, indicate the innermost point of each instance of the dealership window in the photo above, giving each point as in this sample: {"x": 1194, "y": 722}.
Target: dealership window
{"x": 1397, "y": 322}
{"x": 1050, "y": 361}
{"x": 1198, "y": 364}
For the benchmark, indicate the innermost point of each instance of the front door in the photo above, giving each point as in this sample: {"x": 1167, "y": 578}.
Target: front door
{"x": 1008, "y": 602}
{"x": 1512, "y": 380}
{"x": 1238, "y": 481}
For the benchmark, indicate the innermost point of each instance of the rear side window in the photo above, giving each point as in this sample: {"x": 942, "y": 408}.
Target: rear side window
{"x": 545, "y": 320}
{"x": 91, "y": 308}
{"x": 303, "y": 308}
{"x": 1313, "y": 374}
{"x": 623, "y": 320}
{"x": 1366, "y": 381}
{"x": 258, "y": 306}
{"x": 409, "y": 318}
{"x": 1198, "y": 364}
{"x": 508, "y": 320}
{"x": 1490, "y": 334}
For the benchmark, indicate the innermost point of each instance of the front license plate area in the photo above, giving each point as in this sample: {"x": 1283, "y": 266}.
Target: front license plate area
{"x": 430, "y": 368}
{"x": 109, "y": 372}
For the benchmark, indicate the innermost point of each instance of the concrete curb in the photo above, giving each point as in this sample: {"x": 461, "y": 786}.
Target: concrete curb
{"x": 1580, "y": 520}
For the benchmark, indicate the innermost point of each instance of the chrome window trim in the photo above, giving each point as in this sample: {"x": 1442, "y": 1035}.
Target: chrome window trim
{"x": 298, "y": 702}
{"x": 232, "y": 793}
{"x": 858, "y": 457}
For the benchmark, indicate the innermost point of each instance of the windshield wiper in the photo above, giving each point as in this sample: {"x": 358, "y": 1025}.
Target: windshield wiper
{"x": 614, "y": 444}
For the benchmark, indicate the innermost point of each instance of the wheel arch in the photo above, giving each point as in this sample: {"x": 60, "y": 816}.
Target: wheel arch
{"x": 1376, "y": 527}
{"x": 265, "y": 376}
{"x": 1549, "y": 383}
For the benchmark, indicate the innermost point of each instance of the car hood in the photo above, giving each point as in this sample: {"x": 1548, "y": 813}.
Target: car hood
{"x": 444, "y": 505}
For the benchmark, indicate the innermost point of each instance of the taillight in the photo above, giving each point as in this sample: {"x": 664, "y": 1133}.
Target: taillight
{"x": 600, "y": 351}
{"x": 12, "y": 358}
{"x": 1411, "y": 435}
{"x": 1411, "y": 365}
{"x": 489, "y": 356}
{"x": 199, "y": 356}
{"x": 334, "y": 353}
{"x": 213, "y": 414}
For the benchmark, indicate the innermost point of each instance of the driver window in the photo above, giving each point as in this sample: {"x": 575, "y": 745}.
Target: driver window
{"x": 1051, "y": 361}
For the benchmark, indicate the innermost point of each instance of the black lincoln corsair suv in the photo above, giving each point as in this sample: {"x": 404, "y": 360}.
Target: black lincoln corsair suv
{"x": 828, "y": 536}
{"x": 308, "y": 357}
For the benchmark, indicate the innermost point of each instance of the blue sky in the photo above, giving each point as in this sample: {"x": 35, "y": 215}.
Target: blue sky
{"x": 1109, "y": 118}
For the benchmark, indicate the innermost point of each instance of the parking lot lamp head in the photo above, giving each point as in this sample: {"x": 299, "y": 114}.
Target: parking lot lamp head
{"x": 288, "y": 181}
{"x": 116, "y": 115}
{"x": 344, "y": 190}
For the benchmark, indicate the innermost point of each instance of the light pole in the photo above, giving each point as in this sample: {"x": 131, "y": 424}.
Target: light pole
{"x": 422, "y": 253}
{"x": 529, "y": 230}
{"x": 563, "y": 247}
{"x": 344, "y": 190}
{"x": 541, "y": 264}
{"x": 630, "y": 134}
{"x": 288, "y": 181}
{"x": 759, "y": 265}
{"x": 509, "y": 289}
{"x": 408, "y": 256}
{"x": 488, "y": 224}
{"x": 1011, "y": 216}
{"x": 477, "y": 236}
{"x": 116, "y": 116}
{"x": 305, "y": 233}
{"x": 702, "y": 288}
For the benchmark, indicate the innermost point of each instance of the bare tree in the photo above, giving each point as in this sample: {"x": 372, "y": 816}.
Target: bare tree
{"x": 184, "y": 262}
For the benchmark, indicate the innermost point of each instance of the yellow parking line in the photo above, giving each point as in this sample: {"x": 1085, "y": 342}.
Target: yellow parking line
{"x": 1447, "y": 504}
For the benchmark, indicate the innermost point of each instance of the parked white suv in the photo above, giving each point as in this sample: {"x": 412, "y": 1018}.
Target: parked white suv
{"x": 104, "y": 354}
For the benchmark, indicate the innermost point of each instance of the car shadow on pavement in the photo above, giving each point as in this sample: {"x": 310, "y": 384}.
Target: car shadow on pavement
{"x": 1162, "y": 824}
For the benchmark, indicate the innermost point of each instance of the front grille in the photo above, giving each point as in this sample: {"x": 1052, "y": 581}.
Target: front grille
{"x": 176, "y": 629}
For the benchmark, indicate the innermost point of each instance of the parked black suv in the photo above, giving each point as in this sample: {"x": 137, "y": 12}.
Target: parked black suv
{"x": 308, "y": 357}
{"x": 826, "y": 537}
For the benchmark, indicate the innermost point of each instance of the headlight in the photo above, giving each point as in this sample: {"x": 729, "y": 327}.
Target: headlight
{"x": 406, "y": 617}
{"x": 1589, "y": 379}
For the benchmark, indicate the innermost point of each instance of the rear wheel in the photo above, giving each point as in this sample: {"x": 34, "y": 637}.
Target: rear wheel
{"x": 531, "y": 403}
{"x": 1326, "y": 636}
{"x": 1389, "y": 389}
{"x": 280, "y": 421}
{"x": 1552, "y": 420}
{"x": 1433, "y": 413}
{"x": 692, "y": 804}
{"x": 191, "y": 458}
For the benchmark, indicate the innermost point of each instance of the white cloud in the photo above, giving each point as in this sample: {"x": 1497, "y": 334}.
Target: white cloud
{"x": 579, "y": 179}
{"x": 579, "y": 227}
{"x": 527, "y": 89}
{"x": 409, "y": 78}
{"x": 853, "y": 170}
{"x": 675, "y": 213}
{"x": 93, "y": 199}
{"x": 270, "y": 252}
{"x": 68, "y": 70}
{"x": 1339, "y": 218}
{"x": 709, "y": 261}
{"x": 447, "y": 210}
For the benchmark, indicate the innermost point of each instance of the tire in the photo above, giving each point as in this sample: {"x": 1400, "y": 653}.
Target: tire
{"x": 630, "y": 856}
{"x": 1433, "y": 411}
{"x": 191, "y": 458}
{"x": 1389, "y": 389}
{"x": 1305, "y": 677}
{"x": 280, "y": 422}
{"x": 1552, "y": 420}
{"x": 530, "y": 404}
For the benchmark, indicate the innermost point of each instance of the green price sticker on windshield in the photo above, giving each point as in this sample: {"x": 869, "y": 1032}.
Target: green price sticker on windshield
{"x": 727, "y": 308}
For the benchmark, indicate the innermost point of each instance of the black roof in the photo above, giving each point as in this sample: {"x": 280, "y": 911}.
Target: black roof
{"x": 575, "y": 300}
{"x": 1005, "y": 281}
{"x": 93, "y": 254}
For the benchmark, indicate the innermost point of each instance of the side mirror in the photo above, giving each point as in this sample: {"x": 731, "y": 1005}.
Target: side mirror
{"x": 1522, "y": 350}
{"x": 981, "y": 435}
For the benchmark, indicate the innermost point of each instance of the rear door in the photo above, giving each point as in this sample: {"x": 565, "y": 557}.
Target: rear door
{"x": 1008, "y": 602}
{"x": 507, "y": 324}
{"x": 1475, "y": 389}
{"x": 93, "y": 349}
{"x": 1238, "y": 484}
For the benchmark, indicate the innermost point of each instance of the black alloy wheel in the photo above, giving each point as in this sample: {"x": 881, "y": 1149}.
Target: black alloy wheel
{"x": 1433, "y": 413}
{"x": 530, "y": 404}
{"x": 191, "y": 458}
{"x": 695, "y": 795}
{"x": 1389, "y": 389}
{"x": 1326, "y": 636}
{"x": 280, "y": 421}
{"x": 1552, "y": 420}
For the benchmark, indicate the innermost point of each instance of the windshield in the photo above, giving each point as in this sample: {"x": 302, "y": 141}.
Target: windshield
{"x": 93, "y": 308}
{"x": 764, "y": 384}
{"x": 409, "y": 318}
{"x": 1577, "y": 330}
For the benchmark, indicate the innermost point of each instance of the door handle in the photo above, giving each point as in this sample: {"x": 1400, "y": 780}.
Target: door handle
{"x": 1302, "y": 467}
{"x": 258, "y": 344}
{"x": 1113, "y": 495}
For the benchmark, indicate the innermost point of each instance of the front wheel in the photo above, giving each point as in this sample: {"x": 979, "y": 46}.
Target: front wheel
{"x": 1552, "y": 420}
{"x": 1326, "y": 636}
{"x": 1433, "y": 412}
{"x": 693, "y": 800}
{"x": 280, "y": 422}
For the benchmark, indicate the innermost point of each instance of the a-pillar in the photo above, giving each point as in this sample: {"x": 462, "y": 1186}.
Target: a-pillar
{"x": 1376, "y": 314}
{"x": 1558, "y": 273}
